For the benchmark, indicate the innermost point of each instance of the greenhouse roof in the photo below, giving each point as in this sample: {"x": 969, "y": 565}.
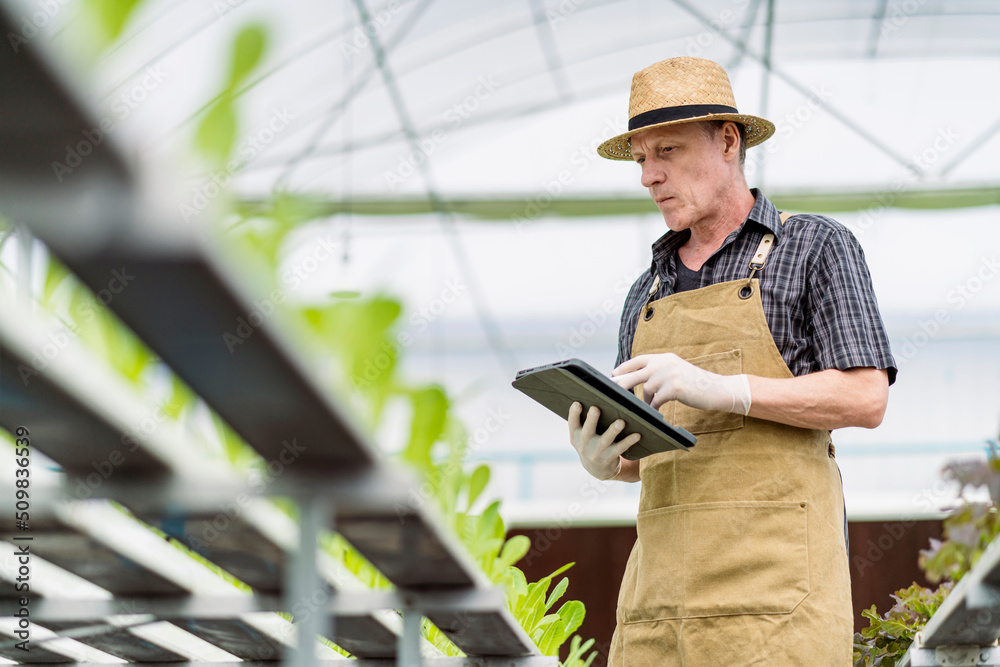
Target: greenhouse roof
{"x": 392, "y": 100}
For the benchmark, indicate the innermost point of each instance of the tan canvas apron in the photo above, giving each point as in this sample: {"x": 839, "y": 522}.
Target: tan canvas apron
{"x": 740, "y": 557}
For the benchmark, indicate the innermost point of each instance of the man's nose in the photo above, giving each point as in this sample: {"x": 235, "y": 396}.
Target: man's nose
{"x": 651, "y": 175}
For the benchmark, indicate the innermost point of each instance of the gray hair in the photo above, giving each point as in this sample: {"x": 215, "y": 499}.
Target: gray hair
{"x": 712, "y": 127}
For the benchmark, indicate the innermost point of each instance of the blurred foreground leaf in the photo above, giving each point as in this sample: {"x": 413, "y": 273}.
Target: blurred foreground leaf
{"x": 110, "y": 17}
{"x": 217, "y": 132}
{"x": 248, "y": 49}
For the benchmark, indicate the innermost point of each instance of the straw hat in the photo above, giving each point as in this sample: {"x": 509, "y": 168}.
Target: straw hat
{"x": 681, "y": 90}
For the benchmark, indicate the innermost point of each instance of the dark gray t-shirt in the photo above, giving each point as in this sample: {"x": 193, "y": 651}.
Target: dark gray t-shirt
{"x": 686, "y": 278}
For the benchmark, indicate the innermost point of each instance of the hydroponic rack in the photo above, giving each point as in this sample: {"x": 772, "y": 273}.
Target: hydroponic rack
{"x": 104, "y": 219}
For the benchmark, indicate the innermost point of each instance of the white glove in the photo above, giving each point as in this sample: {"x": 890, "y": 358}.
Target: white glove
{"x": 668, "y": 377}
{"x": 600, "y": 455}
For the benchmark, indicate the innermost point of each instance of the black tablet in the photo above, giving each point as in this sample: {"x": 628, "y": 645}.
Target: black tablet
{"x": 557, "y": 386}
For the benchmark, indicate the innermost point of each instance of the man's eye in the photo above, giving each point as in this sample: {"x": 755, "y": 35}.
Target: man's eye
{"x": 640, "y": 160}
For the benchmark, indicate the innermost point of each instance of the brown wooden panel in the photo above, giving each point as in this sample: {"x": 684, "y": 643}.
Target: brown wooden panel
{"x": 883, "y": 558}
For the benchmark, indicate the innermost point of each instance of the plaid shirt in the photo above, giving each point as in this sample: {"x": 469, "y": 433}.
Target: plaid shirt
{"x": 816, "y": 290}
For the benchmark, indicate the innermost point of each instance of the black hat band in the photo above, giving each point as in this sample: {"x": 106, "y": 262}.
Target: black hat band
{"x": 683, "y": 112}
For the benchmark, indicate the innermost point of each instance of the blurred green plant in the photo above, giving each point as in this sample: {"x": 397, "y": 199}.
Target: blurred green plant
{"x": 108, "y": 18}
{"x": 968, "y": 531}
{"x": 262, "y": 230}
{"x": 216, "y": 134}
{"x": 361, "y": 335}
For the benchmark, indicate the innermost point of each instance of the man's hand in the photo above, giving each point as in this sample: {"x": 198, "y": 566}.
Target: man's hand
{"x": 667, "y": 377}
{"x": 600, "y": 455}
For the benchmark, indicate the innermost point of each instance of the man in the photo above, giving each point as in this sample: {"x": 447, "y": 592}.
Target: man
{"x": 759, "y": 333}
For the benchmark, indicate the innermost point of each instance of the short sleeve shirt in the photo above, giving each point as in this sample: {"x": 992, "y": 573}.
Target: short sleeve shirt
{"x": 816, "y": 290}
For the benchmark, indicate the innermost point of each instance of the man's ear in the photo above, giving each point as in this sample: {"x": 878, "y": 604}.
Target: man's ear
{"x": 731, "y": 140}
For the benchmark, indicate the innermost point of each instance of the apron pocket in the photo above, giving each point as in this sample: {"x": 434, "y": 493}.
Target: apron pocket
{"x": 708, "y": 421}
{"x": 712, "y": 559}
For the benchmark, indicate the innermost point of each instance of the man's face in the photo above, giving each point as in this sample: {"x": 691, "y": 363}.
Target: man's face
{"x": 684, "y": 170}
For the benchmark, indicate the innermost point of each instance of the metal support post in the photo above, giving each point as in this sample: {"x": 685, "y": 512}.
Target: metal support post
{"x": 409, "y": 642}
{"x": 307, "y": 596}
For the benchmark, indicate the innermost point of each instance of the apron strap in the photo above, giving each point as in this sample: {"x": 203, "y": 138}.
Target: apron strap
{"x": 766, "y": 243}
{"x": 759, "y": 259}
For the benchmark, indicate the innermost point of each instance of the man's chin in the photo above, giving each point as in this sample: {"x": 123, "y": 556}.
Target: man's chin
{"x": 674, "y": 223}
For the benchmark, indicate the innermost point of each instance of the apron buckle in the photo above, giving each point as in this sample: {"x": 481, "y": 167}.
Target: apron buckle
{"x": 757, "y": 263}
{"x": 652, "y": 292}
